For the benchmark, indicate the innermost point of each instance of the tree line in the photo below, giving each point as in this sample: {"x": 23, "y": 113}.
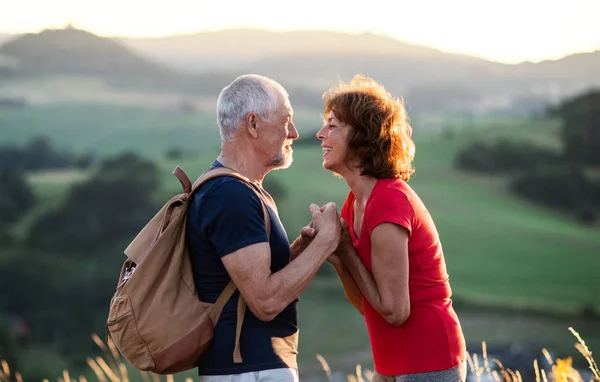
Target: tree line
{"x": 566, "y": 179}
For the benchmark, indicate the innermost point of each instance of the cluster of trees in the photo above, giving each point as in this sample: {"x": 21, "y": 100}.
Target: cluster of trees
{"x": 63, "y": 270}
{"x": 16, "y": 197}
{"x": 39, "y": 154}
{"x": 567, "y": 179}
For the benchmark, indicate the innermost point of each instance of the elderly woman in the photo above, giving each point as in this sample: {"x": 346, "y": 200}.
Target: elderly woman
{"x": 390, "y": 261}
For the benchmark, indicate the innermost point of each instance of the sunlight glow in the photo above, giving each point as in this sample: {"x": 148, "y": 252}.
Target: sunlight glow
{"x": 507, "y": 31}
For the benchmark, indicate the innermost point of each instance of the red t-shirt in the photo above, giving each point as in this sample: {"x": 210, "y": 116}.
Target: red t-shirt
{"x": 431, "y": 339}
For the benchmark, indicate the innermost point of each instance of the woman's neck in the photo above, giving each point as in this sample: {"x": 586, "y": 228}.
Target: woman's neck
{"x": 361, "y": 185}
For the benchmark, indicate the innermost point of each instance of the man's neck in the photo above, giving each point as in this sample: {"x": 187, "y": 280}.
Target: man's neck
{"x": 244, "y": 161}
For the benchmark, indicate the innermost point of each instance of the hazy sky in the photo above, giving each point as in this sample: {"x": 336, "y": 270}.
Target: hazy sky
{"x": 507, "y": 30}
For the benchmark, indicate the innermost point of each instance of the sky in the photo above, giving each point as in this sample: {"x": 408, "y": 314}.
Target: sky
{"x": 508, "y": 31}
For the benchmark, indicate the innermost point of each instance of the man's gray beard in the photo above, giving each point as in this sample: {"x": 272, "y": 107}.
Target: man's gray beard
{"x": 281, "y": 161}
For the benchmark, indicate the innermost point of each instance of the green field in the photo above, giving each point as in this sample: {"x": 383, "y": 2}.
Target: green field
{"x": 500, "y": 250}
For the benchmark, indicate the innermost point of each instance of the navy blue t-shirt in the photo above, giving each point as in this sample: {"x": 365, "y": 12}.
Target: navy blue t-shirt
{"x": 226, "y": 215}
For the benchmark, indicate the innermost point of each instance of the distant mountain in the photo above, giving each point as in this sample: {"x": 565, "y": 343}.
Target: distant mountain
{"x": 577, "y": 68}
{"x": 237, "y": 47}
{"x": 316, "y": 59}
{"x": 4, "y": 37}
{"x": 307, "y": 63}
{"x": 74, "y": 52}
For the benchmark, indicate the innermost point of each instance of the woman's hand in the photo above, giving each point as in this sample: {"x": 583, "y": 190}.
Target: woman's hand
{"x": 335, "y": 260}
{"x": 345, "y": 244}
{"x": 307, "y": 234}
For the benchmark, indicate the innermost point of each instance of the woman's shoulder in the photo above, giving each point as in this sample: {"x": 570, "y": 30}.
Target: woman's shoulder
{"x": 391, "y": 187}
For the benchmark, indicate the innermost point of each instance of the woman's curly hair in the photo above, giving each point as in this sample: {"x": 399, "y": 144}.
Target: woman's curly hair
{"x": 380, "y": 136}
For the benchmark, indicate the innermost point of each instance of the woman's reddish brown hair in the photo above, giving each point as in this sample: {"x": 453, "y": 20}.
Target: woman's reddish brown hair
{"x": 380, "y": 137}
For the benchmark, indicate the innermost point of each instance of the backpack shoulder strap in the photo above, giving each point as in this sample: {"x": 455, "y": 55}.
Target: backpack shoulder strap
{"x": 230, "y": 288}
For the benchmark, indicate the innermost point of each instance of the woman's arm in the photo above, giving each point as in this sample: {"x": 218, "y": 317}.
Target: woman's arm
{"x": 351, "y": 290}
{"x": 386, "y": 288}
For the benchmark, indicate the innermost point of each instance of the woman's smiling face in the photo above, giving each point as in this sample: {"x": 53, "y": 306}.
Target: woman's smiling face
{"x": 334, "y": 142}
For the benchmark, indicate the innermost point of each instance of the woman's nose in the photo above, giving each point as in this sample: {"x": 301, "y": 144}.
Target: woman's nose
{"x": 321, "y": 133}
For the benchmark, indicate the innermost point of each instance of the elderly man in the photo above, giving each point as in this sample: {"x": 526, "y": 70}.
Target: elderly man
{"x": 228, "y": 238}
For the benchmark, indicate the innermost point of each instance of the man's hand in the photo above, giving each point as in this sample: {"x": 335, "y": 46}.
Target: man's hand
{"x": 326, "y": 223}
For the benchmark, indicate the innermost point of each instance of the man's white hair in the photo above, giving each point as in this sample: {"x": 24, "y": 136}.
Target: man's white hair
{"x": 250, "y": 93}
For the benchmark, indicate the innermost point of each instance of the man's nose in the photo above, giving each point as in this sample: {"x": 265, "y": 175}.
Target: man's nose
{"x": 293, "y": 132}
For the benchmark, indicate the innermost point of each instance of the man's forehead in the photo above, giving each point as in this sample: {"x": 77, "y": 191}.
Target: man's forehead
{"x": 288, "y": 107}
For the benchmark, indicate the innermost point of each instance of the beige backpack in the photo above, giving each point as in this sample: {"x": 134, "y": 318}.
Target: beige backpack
{"x": 156, "y": 319}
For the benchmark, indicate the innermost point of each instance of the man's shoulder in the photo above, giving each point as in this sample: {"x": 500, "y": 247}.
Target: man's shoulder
{"x": 224, "y": 187}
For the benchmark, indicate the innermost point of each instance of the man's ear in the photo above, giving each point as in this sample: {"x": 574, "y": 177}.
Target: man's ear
{"x": 252, "y": 124}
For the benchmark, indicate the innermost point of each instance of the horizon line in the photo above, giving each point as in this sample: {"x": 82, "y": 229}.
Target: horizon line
{"x": 297, "y": 30}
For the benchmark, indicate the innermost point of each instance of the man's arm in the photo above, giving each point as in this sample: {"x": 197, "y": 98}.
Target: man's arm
{"x": 266, "y": 293}
{"x": 386, "y": 288}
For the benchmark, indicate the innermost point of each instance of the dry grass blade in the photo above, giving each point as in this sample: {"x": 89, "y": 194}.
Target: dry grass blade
{"x": 544, "y": 379}
{"x": 66, "y": 376}
{"x": 369, "y": 374}
{"x": 145, "y": 376}
{"x": 470, "y": 361}
{"x": 82, "y": 378}
{"x": 359, "y": 373}
{"x": 97, "y": 370}
{"x": 189, "y": 380}
{"x": 352, "y": 378}
{"x": 478, "y": 368}
{"x": 496, "y": 376}
{"x": 5, "y": 369}
{"x": 155, "y": 378}
{"x": 325, "y": 367}
{"x": 537, "y": 370}
{"x": 486, "y": 364}
{"x": 18, "y": 377}
{"x": 123, "y": 371}
{"x": 519, "y": 378}
{"x": 107, "y": 370}
{"x": 113, "y": 349}
{"x": 548, "y": 357}
{"x": 169, "y": 378}
{"x": 585, "y": 351}
{"x": 112, "y": 360}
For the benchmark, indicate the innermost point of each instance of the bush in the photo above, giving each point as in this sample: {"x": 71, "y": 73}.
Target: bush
{"x": 563, "y": 188}
{"x": 110, "y": 207}
{"x": 504, "y": 156}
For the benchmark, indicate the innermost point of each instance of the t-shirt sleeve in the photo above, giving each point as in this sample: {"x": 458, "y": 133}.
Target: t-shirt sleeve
{"x": 389, "y": 205}
{"x": 233, "y": 217}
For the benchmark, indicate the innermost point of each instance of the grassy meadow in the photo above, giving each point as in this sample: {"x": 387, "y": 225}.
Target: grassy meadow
{"x": 501, "y": 252}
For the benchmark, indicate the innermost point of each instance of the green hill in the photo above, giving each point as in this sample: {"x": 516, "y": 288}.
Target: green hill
{"x": 74, "y": 52}
{"x": 501, "y": 252}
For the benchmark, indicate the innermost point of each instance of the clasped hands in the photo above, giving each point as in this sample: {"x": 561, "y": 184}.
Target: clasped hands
{"x": 327, "y": 221}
